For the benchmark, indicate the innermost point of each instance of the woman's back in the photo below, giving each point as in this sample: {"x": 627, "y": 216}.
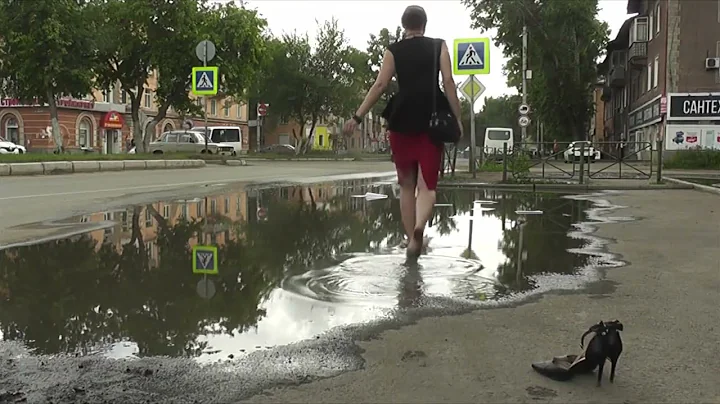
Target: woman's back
{"x": 416, "y": 68}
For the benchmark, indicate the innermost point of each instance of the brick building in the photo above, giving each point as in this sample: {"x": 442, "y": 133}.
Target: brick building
{"x": 662, "y": 77}
{"x": 102, "y": 119}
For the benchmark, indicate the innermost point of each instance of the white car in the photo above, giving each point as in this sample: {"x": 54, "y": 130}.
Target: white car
{"x": 572, "y": 153}
{"x": 8, "y": 147}
{"x": 188, "y": 141}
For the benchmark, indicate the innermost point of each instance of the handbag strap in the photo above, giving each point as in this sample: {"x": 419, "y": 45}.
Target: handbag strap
{"x": 437, "y": 45}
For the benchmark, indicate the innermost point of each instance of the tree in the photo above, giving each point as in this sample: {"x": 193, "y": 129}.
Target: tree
{"x": 163, "y": 41}
{"x": 305, "y": 83}
{"x": 565, "y": 40}
{"x": 377, "y": 45}
{"x": 46, "y": 52}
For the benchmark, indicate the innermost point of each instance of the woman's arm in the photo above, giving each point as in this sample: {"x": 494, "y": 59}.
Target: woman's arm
{"x": 448, "y": 81}
{"x": 387, "y": 71}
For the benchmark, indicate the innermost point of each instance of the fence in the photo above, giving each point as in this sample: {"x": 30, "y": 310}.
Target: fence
{"x": 570, "y": 160}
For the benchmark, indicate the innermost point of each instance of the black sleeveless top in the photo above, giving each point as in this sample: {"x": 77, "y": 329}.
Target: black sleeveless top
{"x": 417, "y": 64}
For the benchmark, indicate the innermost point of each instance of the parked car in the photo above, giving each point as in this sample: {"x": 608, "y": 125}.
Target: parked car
{"x": 8, "y": 147}
{"x": 186, "y": 141}
{"x": 572, "y": 153}
{"x": 278, "y": 149}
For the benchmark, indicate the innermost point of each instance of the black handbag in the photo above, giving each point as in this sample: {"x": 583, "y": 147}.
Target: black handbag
{"x": 444, "y": 126}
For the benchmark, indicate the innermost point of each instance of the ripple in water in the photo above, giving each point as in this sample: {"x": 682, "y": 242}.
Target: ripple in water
{"x": 386, "y": 279}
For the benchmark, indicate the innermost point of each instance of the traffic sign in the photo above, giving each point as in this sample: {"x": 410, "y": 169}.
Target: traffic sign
{"x": 262, "y": 109}
{"x": 524, "y": 121}
{"x": 472, "y": 89}
{"x": 205, "y": 51}
{"x": 205, "y": 80}
{"x": 524, "y": 109}
{"x": 472, "y": 56}
{"x": 205, "y": 260}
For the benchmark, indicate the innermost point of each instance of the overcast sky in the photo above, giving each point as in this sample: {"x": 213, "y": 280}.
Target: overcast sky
{"x": 447, "y": 19}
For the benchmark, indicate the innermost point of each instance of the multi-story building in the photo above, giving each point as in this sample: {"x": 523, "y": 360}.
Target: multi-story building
{"x": 102, "y": 119}
{"x": 662, "y": 77}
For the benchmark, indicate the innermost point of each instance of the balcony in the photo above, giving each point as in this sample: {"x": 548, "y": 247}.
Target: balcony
{"x": 637, "y": 53}
{"x": 606, "y": 94}
{"x": 617, "y": 77}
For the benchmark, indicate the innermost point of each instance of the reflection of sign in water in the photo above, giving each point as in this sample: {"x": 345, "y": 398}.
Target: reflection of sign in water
{"x": 205, "y": 260}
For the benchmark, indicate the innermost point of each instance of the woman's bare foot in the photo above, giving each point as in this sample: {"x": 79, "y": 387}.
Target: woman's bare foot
{"x": 415, "y": 246}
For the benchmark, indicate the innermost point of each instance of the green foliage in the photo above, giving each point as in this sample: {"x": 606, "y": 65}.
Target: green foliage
{"x": 46, "y": 52}
{"x": 694, "y": 159}
{"x": 377, "y": 45}
{"x": 163, "y": 38}
{"x": 307, "y": 83}
{"x": 520, "y": 166}
{"x": 565, "y": 40}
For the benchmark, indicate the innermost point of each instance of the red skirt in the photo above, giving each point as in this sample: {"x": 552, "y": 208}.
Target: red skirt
{"x": 415, "y": 150}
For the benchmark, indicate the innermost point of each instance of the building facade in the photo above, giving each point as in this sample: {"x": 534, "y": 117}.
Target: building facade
{"x": 101, "y": 121}
{"x": 662, "y": 80}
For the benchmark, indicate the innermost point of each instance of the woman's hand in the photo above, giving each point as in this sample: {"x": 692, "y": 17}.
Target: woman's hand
{"x": 460, "y": 125}
{"x": 350, "y": 126}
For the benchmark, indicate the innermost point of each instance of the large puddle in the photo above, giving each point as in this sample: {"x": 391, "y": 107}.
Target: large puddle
{"x": 293, "y": 263}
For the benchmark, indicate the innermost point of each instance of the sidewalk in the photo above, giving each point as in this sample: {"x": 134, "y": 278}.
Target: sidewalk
{"x": 667, "y": 298}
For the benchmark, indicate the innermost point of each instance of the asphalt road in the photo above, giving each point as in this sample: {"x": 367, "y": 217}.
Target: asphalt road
{"x": 25, "y": 200}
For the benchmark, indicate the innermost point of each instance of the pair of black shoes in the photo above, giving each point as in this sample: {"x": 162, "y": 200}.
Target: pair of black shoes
{"x": 604, "y": 345}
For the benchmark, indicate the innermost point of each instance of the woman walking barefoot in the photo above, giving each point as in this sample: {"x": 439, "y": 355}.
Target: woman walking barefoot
{"x": 414, "y": 61}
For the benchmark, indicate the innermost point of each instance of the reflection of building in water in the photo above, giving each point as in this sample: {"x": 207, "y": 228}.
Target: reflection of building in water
{"x": 220, "y": 211}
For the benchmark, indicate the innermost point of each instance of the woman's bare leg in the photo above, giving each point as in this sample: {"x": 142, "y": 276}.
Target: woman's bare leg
{"x": 408, "y": 183}
{"x": 423, "y": 211}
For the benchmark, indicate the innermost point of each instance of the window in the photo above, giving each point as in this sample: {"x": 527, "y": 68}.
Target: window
{"x": 107, "y": 95}
{"x": 12, "y": 130}
{"x": 148, "y": 99}
{"x": 226, "y": 109}
{"x": 188, "y": 139}
{"x": 649, "y": 77}
{"x": 213, "y": 107}
{"x": 227, "y": 205}
{"x": 650, "y": 26}
{"x": 499, "y": 134}
{"x": 168, "y": 127}
{"x": 639, "y": 30}
{"x": 656, "y": 71}
{"x": 123, "y": 97}
{"x": 284, "y": 120}
{"x": 199, "y": 209}
{"x": 238, "y": 204}
{"x": 84, "y": 139}
{"x": 657, "y": 18}
{"x": 184, "y": 211}
{"x": 166, "y": 211}
{"x": 625, "y": 97}
{"x": 239, "y": 111}
{"x": 199, "y": 102}
{"x": 213, "y": 206}
{"x": 226, "y": 135}
{"x": 170, "y": 138}
{"x": 321, "y": 140}
{"x": 148, "y": 218}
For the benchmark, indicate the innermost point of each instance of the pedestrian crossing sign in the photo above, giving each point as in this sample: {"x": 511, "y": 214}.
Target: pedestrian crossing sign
{"x": 205, "y": 80}
{"x": 472, "y": 56}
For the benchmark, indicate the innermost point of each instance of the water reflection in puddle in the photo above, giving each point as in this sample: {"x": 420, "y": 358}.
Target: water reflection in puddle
{"x": 294, "y": 262}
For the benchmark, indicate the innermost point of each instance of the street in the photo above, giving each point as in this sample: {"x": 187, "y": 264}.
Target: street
{"x": 25, "y": 200}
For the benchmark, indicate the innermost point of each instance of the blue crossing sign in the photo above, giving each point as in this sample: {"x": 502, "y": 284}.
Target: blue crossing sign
{"x": 205, "y": 80}
{"x": 205, "y": 260}
{"x": 472, "y": 56}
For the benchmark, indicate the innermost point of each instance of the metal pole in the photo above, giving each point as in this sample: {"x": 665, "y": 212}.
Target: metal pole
{"x": 259, "y": 131}
{"x": 523, "y": 130}
{"x": 582, "y": 162}
{"x": 505, "y": 159}
{"x": 207, "y": 130}
{"x": 472, "y": 127}
{"x": 660, "y": 160}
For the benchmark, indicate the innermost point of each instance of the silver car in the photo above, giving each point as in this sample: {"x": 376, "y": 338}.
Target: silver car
{"x": 188, "y": 141}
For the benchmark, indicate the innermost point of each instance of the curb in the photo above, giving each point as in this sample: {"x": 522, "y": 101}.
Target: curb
{"x": 692, "y": 185}
{"x": 572, "y": 187}
{"x": 93, "y": 166}
{"x": 303, "y": 159}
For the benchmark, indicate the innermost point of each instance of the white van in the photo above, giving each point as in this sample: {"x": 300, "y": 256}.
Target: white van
{"x": 494, "y": 139}
{"x": 231, "y": 135}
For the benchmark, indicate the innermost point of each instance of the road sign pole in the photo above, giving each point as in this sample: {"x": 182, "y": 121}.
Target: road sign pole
{"x": 523, "y": 130}
{"x": 259, "y": 131}
{"x": 205, "y": 99}
{"x": 473, "y": 141}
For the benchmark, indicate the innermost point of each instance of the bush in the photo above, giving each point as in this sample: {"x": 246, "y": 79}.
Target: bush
{"x": 694, "y": 159}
